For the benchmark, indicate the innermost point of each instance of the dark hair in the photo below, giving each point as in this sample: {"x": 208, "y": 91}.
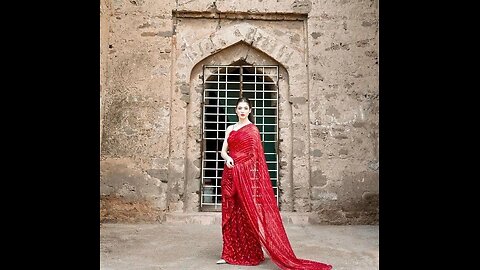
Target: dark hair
{"x": 245, "y": 99}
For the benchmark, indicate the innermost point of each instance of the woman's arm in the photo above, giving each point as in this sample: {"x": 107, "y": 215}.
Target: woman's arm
{"x": 225, "y": 156}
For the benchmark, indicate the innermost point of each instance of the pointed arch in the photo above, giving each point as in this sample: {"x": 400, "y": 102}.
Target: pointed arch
{"x": 236, "y": 42}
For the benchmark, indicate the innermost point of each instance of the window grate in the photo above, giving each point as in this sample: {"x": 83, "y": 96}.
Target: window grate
{"x": 223, "y": 85}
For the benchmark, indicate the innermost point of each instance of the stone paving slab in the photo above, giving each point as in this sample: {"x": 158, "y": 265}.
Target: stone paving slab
{"x": 195, "y": 246}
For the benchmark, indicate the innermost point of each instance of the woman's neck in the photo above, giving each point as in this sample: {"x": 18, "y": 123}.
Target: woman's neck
{"x": 243, "y": 122}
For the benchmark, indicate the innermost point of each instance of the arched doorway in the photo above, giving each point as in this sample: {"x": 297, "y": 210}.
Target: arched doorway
{"x": 222, "y": 86}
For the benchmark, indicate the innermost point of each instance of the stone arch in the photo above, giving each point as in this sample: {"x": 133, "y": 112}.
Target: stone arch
{"x": 240, "y": 51}
{"x": 249, "y": 41}
{"x": 249, "y": 34}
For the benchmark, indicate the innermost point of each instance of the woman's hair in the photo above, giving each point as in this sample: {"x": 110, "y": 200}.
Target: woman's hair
{"x": 245, "y": 99}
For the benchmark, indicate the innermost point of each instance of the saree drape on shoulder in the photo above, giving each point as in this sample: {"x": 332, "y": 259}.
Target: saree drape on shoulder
{"x": 250, "y": 216}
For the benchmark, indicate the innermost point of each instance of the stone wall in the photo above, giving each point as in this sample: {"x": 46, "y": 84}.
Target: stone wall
{"x": 150, "y": 59}
{"x": 136, "y": 125}
{"x": 343, "y": 62}
{"x": 105, "y": 13}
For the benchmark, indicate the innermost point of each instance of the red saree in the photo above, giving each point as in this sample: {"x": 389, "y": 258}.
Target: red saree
{"x": 250, "y": 216}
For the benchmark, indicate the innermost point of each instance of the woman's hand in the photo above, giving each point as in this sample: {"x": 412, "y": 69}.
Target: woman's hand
{"x": 229, "y": 162}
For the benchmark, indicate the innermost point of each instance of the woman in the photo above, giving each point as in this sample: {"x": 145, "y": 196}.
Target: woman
{"x": 250, "y": 216}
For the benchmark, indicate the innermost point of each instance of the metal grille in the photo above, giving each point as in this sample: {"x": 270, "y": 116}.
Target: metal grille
{"x": 223, "y": 85}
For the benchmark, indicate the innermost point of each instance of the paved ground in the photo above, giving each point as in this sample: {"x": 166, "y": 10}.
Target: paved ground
{"x": 194, "y": 246}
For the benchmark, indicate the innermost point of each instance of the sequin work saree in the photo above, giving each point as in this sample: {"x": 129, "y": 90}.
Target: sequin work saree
{"x": 250, "y": 215}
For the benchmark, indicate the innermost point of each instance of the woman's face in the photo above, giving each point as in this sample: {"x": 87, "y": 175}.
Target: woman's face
{"x": 243, "y": 110}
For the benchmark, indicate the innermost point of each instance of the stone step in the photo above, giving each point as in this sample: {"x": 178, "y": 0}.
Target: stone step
{"x": 208, "y": 218}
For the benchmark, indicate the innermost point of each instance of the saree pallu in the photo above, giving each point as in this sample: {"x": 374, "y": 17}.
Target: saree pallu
{"x": 250, "y": 215}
